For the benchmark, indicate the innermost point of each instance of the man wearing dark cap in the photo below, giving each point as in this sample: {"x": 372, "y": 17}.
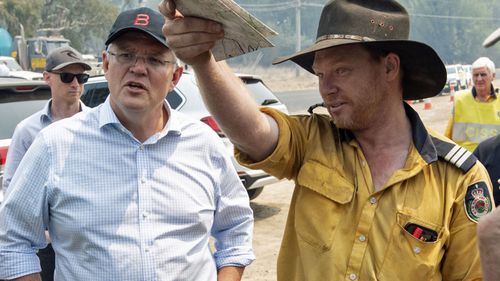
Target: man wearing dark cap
{"x": 131, "y": 189}
{"x": 65, "y": 74}
{"x": 377, "y": 195}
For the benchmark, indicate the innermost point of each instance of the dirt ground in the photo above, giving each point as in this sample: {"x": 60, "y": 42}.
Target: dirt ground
{"x": 271, "y": 207}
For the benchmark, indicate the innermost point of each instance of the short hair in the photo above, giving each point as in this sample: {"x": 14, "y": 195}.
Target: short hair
{"x": 376, "y": 53}
{"x": 484, "y": 62}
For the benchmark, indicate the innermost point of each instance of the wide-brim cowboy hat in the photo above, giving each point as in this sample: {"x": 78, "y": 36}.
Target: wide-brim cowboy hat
{"x": 492, "y": 38}
{"x": 385, "y": 25}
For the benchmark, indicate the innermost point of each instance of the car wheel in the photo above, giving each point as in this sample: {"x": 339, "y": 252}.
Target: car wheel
{"x": 253, "y": 193}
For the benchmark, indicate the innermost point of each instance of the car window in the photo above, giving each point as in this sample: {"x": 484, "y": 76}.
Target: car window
{"x": 261, "y": 94}
{"x": 451, "y": 69}
{"x": 14, "y": 107}
{"x": 175, "y": 99}
{"x": 95, "y": 94}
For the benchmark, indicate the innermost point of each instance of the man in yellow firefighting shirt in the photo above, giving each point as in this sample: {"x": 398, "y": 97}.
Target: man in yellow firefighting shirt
{"x": 476, "y": 112}
{"x": 378, "y": 196}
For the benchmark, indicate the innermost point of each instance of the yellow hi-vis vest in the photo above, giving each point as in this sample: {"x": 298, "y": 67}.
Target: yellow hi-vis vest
{"x": 474, "y": 121}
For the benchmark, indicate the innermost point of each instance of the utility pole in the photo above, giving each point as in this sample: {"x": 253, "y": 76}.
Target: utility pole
{"x": 297, "y": 32}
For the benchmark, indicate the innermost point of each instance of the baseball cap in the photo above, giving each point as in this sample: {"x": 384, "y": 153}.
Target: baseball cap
{"x": 64, "y": 56}
{"x": 142, "y": 19}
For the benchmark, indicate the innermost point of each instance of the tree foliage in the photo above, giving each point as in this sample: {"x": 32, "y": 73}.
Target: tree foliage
{"x": 454, "y": 28}
{"x": 85, "y": 23}
{"x": 24, "y": 12}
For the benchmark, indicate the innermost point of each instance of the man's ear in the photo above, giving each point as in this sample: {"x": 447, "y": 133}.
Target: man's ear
{"x": 176, "y": 76}
{"x": 392, "y": 66}
{"x": 46, "y": 77}
{"x": 105, "y": 61}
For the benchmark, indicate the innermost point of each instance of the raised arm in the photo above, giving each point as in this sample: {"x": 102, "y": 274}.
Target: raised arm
{"x": 226, "y": 97}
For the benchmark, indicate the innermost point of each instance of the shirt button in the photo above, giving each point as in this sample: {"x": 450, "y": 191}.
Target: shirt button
{"x": 362, "y": 238}
{"x": 143, "y": 180}
{"x": 141, "y": 147}
{"x": 373, "y": 200}
{"x": 145, "y": 214}
{"x": 417, "y": 250}
{"x": 352, "y": 276}
{"x": 498, "y": 181}
{"x": 146, "y": 250}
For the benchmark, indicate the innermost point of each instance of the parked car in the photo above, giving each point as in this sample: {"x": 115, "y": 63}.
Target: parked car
{"x": 186, "y": 98}
{"x": 15, "y": 69}
{"x": 468, "y": 74}
{"x": 19, "y": 98}
{"x": 455, "y": 77}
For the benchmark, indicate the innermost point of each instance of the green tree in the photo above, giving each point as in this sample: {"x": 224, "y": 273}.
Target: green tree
{"x": 85, "y": 23}
{"x": 455, "y": 29}
{"x": 25, "y": 12}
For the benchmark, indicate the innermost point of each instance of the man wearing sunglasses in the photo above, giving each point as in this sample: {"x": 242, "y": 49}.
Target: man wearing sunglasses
{"x": 64, "y": 73}
{"x": 131, "y": 189}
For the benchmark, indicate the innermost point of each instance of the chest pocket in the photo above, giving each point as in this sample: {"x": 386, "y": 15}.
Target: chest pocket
{"x": 407, "y": 251}
{"x": 321, "y": 202}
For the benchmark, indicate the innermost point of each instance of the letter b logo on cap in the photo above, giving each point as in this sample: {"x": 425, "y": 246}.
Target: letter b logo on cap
{"x": 141, "y": 19}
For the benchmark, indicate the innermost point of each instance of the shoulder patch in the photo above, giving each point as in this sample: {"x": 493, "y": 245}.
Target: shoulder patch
{"x": 455, "y": 154}
{"x": 477, "y": 201}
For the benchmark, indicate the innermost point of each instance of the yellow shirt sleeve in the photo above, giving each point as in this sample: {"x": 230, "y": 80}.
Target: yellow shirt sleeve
{"x": 448, "y": 132}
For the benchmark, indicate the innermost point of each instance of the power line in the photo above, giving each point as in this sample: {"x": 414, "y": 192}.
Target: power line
{"x": 287, "y": 5}
{"x": 455, "y": 17}
{"x": 293, "y": 5}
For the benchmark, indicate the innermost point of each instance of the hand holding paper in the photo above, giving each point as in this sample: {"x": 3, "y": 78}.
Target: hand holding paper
{"x": 243, "y": 33}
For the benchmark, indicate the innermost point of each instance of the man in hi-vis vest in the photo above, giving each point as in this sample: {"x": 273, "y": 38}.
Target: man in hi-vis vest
{"x": 476, "y": 112}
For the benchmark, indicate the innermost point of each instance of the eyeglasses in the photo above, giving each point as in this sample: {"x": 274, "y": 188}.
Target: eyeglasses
{"x": 67, "y": 77}
{"x": 131, "y": 59}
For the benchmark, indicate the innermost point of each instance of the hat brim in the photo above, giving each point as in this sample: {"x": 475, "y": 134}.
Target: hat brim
{"x": 424, "y": 72}
{"x": 120, "y": 32}
{"x": 492, "y": 38}
{"x": 85, "y": 65}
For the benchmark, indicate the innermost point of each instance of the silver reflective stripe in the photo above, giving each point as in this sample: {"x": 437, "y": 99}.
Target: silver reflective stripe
{"x": 474, "y": 132}
{"x": 458, "y": 155}
{"x": 451, "y": 153}
{"x": 464, "y": 157}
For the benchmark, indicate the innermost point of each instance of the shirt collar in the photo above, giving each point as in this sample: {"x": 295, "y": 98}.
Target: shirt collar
{"x": 421, "y": 138}
{"x": 46, "y": 115}
{"x": 493, "y": 92}
{"x": 107, "y": 116}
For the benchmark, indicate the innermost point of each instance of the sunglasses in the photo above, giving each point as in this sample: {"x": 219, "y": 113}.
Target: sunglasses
{"x": 68, "y": 77}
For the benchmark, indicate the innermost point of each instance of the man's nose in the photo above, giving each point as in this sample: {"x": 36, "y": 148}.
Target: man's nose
{"x": 139, "y": 65}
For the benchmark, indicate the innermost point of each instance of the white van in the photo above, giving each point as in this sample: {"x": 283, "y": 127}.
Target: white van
{"x": 455, "y": 77}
